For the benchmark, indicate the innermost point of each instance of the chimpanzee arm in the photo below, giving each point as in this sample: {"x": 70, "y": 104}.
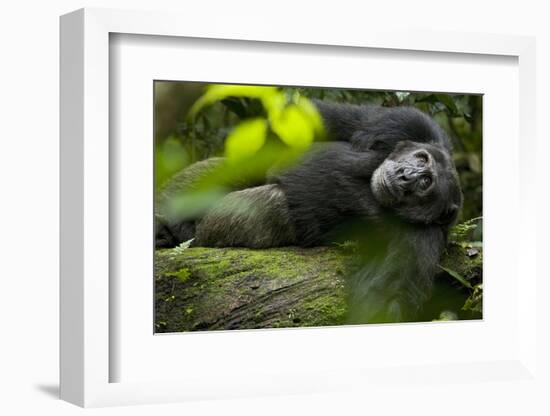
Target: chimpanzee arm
{"x": 379, "y": 128}
{"x": 394, "y": 274}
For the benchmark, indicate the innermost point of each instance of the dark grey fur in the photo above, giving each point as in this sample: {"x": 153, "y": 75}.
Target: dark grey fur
{"x": 255, "y": 217}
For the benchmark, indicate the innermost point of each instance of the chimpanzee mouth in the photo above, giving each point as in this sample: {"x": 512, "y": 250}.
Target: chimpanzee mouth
{"x": 383, "y": 188}
{"x": 387, "y": 185}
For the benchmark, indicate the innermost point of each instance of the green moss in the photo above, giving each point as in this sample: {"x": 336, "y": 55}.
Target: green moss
{"x": 182, "y": 274}
{"x": 329, "y": 309}
{"x": 237, "y": 288}
{"x": 465, "y": 260}
{"x": 245, "y": 288}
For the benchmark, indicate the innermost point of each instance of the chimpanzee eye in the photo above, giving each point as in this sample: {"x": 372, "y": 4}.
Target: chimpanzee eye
{"x": 425, "y": 182}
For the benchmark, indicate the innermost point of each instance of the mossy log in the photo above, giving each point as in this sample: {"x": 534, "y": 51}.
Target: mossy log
{"x": 238, "y": 288}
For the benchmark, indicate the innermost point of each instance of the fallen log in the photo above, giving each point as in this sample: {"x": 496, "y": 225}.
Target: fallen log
{"x": 236, "y": 288}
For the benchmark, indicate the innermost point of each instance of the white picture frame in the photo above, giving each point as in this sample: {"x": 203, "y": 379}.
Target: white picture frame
{"x": 87, "y": 301}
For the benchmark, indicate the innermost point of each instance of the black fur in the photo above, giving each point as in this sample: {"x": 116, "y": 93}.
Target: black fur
{"x": 328, "y": 188}
{"x": 380, "y": 128}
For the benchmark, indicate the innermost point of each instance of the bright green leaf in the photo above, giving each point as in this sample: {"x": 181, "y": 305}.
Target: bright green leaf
{"x": 294, "y": 128}
{"x": 246, "y": 139}
{"x": 311, "y": 112}
{"x": 274, "y": 103}
{"x": 218, "y": 92}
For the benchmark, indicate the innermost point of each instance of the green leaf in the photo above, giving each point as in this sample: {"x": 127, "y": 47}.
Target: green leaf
{"x": 274, "y": 102}
{"x": 294, "y": 127}
{"x": 176, "y": 251}
{"x": 312, "y": 114}
{"x": 246, "y": 139}
{"x": 182, "y": 274}
{"x": 218, "y": 92}
{"x": 458, "y": 277}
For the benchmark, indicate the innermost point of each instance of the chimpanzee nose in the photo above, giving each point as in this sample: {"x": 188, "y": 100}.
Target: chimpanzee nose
{"x": 406, "y": 175}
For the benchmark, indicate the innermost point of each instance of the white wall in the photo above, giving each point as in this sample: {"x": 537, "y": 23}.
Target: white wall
{"x": 29, "y": 166}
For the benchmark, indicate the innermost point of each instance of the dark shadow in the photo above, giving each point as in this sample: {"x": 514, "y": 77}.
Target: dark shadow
{"x": 51, "y": 390}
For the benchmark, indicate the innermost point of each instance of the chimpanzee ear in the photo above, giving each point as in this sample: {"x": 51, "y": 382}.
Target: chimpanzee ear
{"x": 449, "y": 215}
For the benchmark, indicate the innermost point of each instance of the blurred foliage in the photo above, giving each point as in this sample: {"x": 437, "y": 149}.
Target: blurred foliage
{"x": 261, "y": 128}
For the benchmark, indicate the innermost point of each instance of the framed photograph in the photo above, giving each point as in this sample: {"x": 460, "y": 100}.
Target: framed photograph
{"x": 284, "y": 207}
{"x": 289, "y": 220}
